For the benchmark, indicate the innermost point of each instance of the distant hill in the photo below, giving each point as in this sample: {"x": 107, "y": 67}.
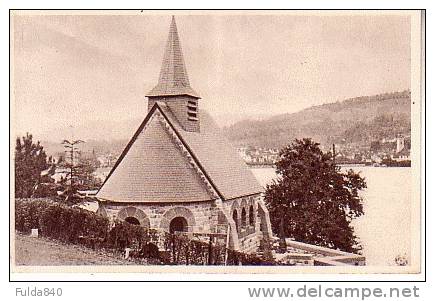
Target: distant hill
{"x": 357, "y": 120}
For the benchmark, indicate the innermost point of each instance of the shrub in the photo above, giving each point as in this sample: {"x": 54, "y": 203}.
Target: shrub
{"x": 58, "y": 221}
{"x": 79, "y": 226}
{"x": 124, "y": 235}
{"x": 239, "y": 258}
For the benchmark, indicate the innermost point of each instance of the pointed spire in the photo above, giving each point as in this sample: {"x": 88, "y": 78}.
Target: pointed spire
{"x": 173, "y": 78}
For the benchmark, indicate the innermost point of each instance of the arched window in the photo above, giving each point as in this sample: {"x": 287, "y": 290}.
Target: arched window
{"x": 178, "y": 224}
{"x": 243, "y": 222}
{"x": 259, "y": 219}
{"x": 251, "y": 215}
{"x": 235, "y": 218}
{"x": 132, "y": 220}
{"x": 133, "y": 216}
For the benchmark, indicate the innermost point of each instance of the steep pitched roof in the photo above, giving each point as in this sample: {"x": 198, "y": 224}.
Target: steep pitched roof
{"x": 219, "y": 159}
{"x": 173, "y": 79}
{"x": 151, "y": 169}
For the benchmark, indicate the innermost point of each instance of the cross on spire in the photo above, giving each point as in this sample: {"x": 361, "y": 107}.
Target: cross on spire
{"x": 173, "y": 79}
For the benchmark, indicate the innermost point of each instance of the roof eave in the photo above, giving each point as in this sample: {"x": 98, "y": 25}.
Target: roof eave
{"x": 111, "y": 201}
{"x": 174, "y": 91}
{"x": 162, "y": 93}
{"x": 172, "y": 94}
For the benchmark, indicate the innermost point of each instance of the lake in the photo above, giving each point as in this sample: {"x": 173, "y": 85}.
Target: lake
{"x": 384, "y": 229}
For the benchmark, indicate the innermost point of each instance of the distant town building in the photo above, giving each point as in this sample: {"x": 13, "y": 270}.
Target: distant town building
{"x": 179, "y": 174}
{"x": 60, "y": 174}
{"x": 400, "y": 144}
{"x": 403, "y": 155}
{"x": 107, "y": 160}
{"x": 258, "y": 156}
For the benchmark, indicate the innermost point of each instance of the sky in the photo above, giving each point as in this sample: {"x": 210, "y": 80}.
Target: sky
{"x": 87, "y": 74}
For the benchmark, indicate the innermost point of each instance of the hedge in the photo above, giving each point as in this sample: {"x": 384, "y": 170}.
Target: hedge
{"x": 58, "y": 221}
{"x": 80, "y": 226}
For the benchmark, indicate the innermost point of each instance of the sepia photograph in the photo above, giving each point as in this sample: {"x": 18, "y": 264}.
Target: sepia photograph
{"x": 216, "y": 141}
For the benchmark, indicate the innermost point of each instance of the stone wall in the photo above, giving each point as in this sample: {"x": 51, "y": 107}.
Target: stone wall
{"x": 243, "y": 217}
{"x": 251, "y": 224}
{"x": 200, "y": 216}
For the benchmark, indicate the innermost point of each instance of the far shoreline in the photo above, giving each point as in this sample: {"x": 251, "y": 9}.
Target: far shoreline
{"x": 254, "y": 166}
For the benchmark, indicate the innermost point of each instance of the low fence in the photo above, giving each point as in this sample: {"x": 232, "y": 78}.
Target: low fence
{"x": 147, "y": 246}
{"x": 327, "y": 257}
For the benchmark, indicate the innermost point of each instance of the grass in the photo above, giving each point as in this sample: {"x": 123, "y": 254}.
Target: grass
{"x": 30, "y": 251}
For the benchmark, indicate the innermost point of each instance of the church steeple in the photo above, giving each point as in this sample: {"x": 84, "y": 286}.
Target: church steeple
{"x": 173, "y": 87}
{"x": 173, "y": 79}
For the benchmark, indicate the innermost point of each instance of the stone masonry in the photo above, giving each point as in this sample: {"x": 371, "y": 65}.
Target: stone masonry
{"x": 243, "y": 217}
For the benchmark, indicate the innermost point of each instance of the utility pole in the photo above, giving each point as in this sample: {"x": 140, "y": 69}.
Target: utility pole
{"x": 71, "y": 149}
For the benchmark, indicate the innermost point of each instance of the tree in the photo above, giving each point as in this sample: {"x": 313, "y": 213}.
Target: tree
{"x": 312, "y": 200}
{"x": 81, "y": 172}
{"x": 84, "y": 175}
{"x": 73, "y": 152}
{"x": 30, "y": 161}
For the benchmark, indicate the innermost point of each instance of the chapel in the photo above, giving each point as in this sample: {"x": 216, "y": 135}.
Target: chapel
{"x": 178, "y": 173}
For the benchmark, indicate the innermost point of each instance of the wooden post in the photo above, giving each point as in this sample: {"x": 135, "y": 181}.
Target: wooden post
{"x": 173, "y": 248}
{"x": 209, "y": 251}
{"x": 127, "y": 253}
{"x": 34, "y": 233}
{"x": 226, "y": 244}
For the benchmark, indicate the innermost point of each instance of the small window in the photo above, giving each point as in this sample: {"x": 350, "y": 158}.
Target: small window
{"x": 243, "y": 218}
{"x": 192, "y": 116}
{"x": 235, "y": 219}
{"x": 192, "y": 110}
{"x": 192, "y": 106}
{"x": 251, "y": 215}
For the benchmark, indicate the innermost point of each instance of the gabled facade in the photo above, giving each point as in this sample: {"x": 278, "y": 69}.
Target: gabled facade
{"x": 179, "y": 173}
